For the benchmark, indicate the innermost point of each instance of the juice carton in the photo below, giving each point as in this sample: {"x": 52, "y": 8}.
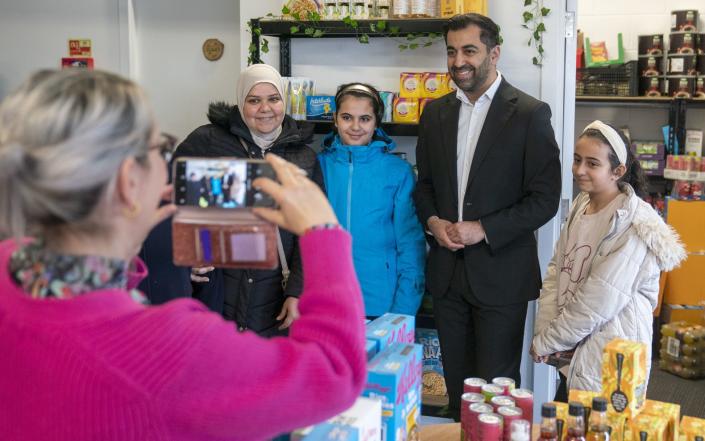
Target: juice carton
{"x": 410, "y": 84}
{"x": 406, "y": 110}
{"x": 422, "y": 104}
{"x": 583, "y": 397}
{"x": 433, "y": 85}
{"x": 620, "y": 428}
{"x": 433, "y": 381}
{"x": 624, "y": 376}
{"x": 362, "y": 422}
{"x": 320, "y": 107}
{"x": 561, "y": 419}
{"x": 391, "y": 328}
{"x": 693, "y": 428}
{"x": 649, "y": 428}
{"x": 394, "y": 376}
{"x": 670, "y": 411}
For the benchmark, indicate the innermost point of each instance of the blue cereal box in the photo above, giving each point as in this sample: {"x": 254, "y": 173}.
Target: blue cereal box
{"x": 391, "y": 328}
{"x": 371, "y": 349}
{"x": 320, "y": 107}
{"x": 362, "y": 422}
{"x": 394, "y": 376}
{"x": 332, "y": 432}
{"x": 432, "y": 380}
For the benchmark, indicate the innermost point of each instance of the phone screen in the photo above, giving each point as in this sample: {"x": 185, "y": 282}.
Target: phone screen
{"x": 220, "y": 182}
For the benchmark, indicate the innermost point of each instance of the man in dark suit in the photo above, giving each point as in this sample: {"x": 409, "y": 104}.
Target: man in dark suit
{"x": 489, "y": 176}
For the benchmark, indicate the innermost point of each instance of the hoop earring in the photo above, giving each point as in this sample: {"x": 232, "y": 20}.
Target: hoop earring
{"x": 133, "y": 211}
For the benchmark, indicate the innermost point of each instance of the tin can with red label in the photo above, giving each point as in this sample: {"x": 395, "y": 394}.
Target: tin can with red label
{"x": 502, "y": 401}
{"x": 489, "y": 427}
{"x": 508, "y": 384}
{"x": 509, "y": 414}
{"x": 473, "y": 385}
{"x": 491, "y": 390}
{"x": 686, "y": 20}
{"x": 467, "y": 400}
{"x": 475, "y": 410}
{"x": 683, "y": 43}
{"x": 525, "y": 401}
{"x": 651, "y": 44}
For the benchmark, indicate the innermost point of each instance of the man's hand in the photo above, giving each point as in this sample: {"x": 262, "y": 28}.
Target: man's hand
{"x": 198, "y": 274}
{"x": 439, "y": 228}
{"x": 466, "y": 232}
{"x": 289, "y": 312}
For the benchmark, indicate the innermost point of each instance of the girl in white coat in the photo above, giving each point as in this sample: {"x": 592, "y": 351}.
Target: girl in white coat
{"x": 603, "y": 280}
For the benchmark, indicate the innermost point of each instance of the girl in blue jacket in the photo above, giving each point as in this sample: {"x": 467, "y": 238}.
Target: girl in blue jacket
{"x": 370, "y": 190}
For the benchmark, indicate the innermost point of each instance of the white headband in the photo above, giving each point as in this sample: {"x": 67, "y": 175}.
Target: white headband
{"x": 613, "y": 137}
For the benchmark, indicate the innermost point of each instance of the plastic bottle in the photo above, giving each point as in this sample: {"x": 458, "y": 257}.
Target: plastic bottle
{"x": 576, "y": 422}
{"x": 548, "y": 423}
{"x": 599, "y": 427}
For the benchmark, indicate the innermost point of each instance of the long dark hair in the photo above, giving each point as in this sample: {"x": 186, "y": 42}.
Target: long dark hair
{"x": 634, "y": 175}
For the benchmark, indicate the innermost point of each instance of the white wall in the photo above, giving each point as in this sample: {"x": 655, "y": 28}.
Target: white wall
{"x": 601, "y": 20}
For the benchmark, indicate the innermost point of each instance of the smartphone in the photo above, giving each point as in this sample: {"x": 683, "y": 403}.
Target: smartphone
{"x": 222, "y": 183}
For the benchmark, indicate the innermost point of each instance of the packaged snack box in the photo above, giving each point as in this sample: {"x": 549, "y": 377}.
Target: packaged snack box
{"x": 410, "y": 84}
{"x": 388, "y": 101}
{"x": 320, "y": 107}
{"x": 434, "y": 85}
{"x": 693, "y": 428}
{"x": 670, "y": 411}
{"x": 620, "y": 429}
{"x": 362, "y": 422}
{"x": 583, "y": 397}
{"x": 649, "y": 428}
{"x": 391, "y": 328}
{"x": 394, "y": 376}
{"x": 406, "y": 110}
{"x": 649, "y": 149}
{"x": 370, "y": 349}
{"x": 624, "y": 376}
{"x": 561, "y": 419}
{"x": 433, "y": 382}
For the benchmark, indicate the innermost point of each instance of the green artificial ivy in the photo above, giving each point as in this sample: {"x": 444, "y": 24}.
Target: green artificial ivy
{"x": 533, "y": 15}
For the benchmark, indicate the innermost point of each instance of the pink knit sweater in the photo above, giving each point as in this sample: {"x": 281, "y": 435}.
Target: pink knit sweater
{"x": 102, "y": 367}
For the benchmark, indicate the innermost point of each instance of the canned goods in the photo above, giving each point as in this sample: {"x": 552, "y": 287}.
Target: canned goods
{"x": 473, "y": 385}
{"x": 683, "y": 43}
{"x": 491, "y": 390}
{"x": 524, "y": 399}
{"x": 679, "y": 64}
{"x": 475, "y": 410}
{"x": 466, "y": 400}
{"x": 700, "y": 94}
{"x": 650, "y": 65}
{"x": 507, "y": 383}
{"x": 502, "y": 401}
{"x": 701, "y": 65}
{"x": 489, "y": 427}
{"x": 509, "y": 414}
{"x": 651, "y": 86}
{"x": 686, "y": 20}
{"x": 651, "y": 44}
{"x": 680, "y": 86}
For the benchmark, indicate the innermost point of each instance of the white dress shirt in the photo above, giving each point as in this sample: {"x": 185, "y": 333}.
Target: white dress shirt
{"x": 472, "y": 118}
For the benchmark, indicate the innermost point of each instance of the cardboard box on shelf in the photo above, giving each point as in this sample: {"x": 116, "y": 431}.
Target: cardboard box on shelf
{"x": 583, "y": 397}
{"x": 620, "y": 429}
{"x": 693, "y": 428}
{"x": 391, "y": 328}
{"x": 394, "y": 376}
{"x": 410, "y": 84}
{"x": 406, "y": 110}
{"x": 370, "y": 349}
{"x": 671, "y": 412}
{"x": 694, "y": 314}
{"x": 362, "y": 422}
{"x": 649, "y": 428}
{"x": 562, "y": 419}
{"x": 624, "y": 376}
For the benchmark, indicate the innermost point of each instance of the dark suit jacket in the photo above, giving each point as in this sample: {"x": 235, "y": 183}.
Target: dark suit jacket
{"x": 513, "y": 188}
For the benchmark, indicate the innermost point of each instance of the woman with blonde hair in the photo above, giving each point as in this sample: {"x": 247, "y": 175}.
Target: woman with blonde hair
{"x": 82, "y": 175}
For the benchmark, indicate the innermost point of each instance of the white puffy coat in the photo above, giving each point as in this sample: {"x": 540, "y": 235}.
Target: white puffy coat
{"x": 618, "y": 296}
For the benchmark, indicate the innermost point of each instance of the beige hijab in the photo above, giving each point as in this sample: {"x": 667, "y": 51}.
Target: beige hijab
{"x": 255, "y": 74}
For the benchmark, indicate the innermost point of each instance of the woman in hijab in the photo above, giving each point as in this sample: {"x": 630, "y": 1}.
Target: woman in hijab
{"x": 264, "y": 301}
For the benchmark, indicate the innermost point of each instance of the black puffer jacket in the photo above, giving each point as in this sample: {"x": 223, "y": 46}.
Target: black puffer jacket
{"x": 252, "y": 298}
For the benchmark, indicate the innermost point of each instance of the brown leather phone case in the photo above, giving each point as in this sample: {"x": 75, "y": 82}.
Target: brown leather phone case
{"x": 223, "y": 239}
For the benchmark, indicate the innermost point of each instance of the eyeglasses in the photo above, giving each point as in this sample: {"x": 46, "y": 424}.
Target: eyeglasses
{"x": 166, "y": 146}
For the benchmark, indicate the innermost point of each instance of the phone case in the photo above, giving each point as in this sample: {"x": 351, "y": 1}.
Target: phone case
{"x": 223, "y": 239}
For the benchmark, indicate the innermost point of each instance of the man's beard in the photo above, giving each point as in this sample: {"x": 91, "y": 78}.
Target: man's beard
{"x": 476, "y": 81}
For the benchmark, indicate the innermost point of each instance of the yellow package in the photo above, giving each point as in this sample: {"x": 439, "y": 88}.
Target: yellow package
{"x": 410, "y": 84}
{"x": 561, "y": 419}
{"x": 476, "y": 6}
{"x": 670, "y": 411}
{"x": 449, "y": 85}
{"x": 620, "y": 429}
{"x": 406, "y": 110}
{"x": 583, "y": 397}
{"x": 450, "y": 8}
{"x": 422, "y": 105}
{"x": 433, "y": 85}
{"x": 649, "y": 428}
{"x": 693, "y": 428}
{"x": 624, "y": 376}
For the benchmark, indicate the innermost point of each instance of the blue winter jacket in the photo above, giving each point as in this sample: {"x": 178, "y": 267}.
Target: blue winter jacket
{"x": 370, "y": 191}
